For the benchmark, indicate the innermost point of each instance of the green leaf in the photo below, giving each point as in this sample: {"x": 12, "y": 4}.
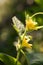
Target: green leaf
{"x": 34, "y": 58}
{"x": 8, "y": 60}
{"x": 40, "y": 2}
{"x": 37, "y": 57}
{"x": 18, "y": 25}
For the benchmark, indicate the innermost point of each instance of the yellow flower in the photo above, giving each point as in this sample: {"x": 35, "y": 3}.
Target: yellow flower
{"x": 26, "y": 44}
{"x": 30, "y": 24}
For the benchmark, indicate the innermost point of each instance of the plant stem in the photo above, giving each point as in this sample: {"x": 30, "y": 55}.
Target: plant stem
{"x": 25, "y": 56}
{"x": 36, "y": 14}
{"x": 18, "y": 53}
{"x": 24, "y": 33}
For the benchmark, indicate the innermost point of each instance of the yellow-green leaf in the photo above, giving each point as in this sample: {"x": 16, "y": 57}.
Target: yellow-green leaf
{"x": 8, "y": 60}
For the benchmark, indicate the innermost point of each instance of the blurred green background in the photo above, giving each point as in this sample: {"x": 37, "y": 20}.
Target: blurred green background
{"x": 10, "y": 8}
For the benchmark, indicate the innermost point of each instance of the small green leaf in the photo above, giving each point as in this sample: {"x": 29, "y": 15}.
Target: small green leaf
{"x": 8, "y": 60}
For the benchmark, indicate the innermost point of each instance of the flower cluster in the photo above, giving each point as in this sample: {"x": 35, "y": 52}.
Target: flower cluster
{"x": 30, "y": 25}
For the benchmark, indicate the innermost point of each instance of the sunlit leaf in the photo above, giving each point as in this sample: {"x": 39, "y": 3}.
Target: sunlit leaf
{"x": 8, "y": 60}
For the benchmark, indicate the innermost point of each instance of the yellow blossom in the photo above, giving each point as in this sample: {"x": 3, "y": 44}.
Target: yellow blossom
{"x": 30, "y": 24}
{"x": 26, "y": 44}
